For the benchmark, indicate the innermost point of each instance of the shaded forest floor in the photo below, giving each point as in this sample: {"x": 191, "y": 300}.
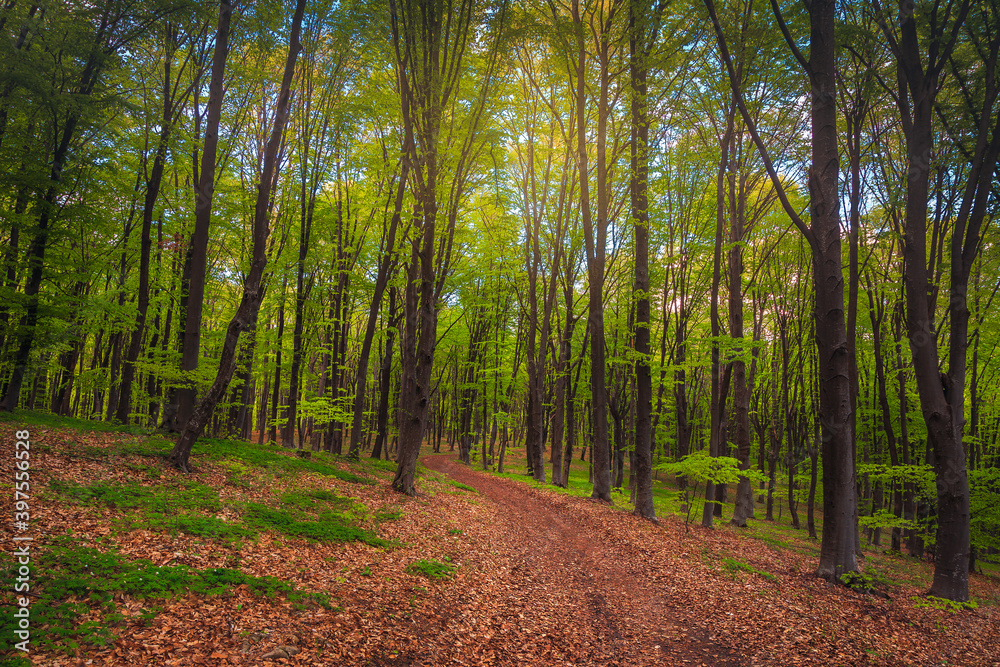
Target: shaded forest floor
{"x": 265, "y": 557}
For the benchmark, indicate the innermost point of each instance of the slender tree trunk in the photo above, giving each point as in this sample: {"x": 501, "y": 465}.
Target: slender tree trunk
{"x": 276, "y": 389}
{"x": 741, "y": 392}
{"x": 145, "y": 242}
{"x": 385, "y": 379}
{"x": 718, "y": 396}
{"x": 595, "y": 262}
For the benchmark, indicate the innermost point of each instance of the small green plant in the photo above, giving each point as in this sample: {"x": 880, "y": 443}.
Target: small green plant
{"x": 868, "y": 582}
{"x": 454, "y": 531}
{"x": 237, "y": 473}
{"x": 431, "y": 569}
{"x": 700, "y": 467}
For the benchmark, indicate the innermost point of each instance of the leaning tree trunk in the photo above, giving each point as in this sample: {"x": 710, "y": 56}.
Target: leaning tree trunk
{"x": 253, "y": 289}
{"x": 381, "y": 281}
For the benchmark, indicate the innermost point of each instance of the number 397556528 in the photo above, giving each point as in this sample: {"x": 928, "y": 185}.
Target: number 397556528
{"x": 22, "y": 456}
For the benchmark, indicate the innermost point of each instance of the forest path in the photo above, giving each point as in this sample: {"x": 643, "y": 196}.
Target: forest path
{"x": 602, "y": 574}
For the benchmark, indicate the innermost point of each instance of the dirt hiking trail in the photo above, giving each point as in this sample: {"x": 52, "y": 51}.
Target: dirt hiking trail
{"x": 622, "y": 611}
{"x": 595, "y": 586}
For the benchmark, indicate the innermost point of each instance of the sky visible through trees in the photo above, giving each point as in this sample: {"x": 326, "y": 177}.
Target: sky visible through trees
{"x": 753, "y": 244}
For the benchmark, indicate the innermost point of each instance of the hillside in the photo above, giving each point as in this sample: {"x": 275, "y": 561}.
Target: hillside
{"x": 263, "y": 555}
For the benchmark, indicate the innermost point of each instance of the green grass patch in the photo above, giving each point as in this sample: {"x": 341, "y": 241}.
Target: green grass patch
{"x": 733, "y": 566}
{"x": 464, "y": 487}
{"x": 388, "y": 515}
{"x": 328, "y": 527}
{"x": 932, "y": 602}
{"x": 275, "y": 459}
{"x": 72, "y": 582}
{"x": 209, "y": 527}
{"x": 378, "y": 464}
{"x": 152, "y": 447}
{"x": 178, "y": 495}
{"x": 167, "y": 507}
{"x": 315, "y": 500}
{"x": 431, "y": 569}
{"x": 34, "y": 418}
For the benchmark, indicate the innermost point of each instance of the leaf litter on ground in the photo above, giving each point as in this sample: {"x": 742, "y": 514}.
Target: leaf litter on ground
{"x": 535, "y": 577}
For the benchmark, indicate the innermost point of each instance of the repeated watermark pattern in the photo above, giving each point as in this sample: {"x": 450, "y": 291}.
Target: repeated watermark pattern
{"x": 22, "y": 541}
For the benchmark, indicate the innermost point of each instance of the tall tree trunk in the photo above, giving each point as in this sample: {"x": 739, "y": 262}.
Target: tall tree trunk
{"x": 198, "y": 246}
{"x": 837, "y": 554}
{"x": 276, "y": 388}
{"x": 429, "y": 40}
{"x": 718, "y": 395}
{"x": 595, "y": 257}
{"x": 386, "y": 261}
{"x": 638, "y": 51}
{"x": 941, "y": 395}
{"x": 741, "y": 392}
{"x": 145, "y": 245}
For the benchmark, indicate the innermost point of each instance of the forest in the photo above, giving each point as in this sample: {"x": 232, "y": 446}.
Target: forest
{"x": 749, "y": 246}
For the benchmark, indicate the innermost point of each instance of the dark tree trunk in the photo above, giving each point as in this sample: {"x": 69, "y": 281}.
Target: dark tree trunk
{"x": 717, "y": 407}
{"x": 941, "y": 396}
{"x": 837, "y": 554}
{"x": 429, "y": 41}
{"x": 302, "y": 289}
{"x": 197, "y": 261}
{"x": 741, "y": 392}
{"x": 276, "y": 388}
{"x": 638, "y": 51}
{"x": 595, "y": 245}
{"x": 386, "y": 262}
